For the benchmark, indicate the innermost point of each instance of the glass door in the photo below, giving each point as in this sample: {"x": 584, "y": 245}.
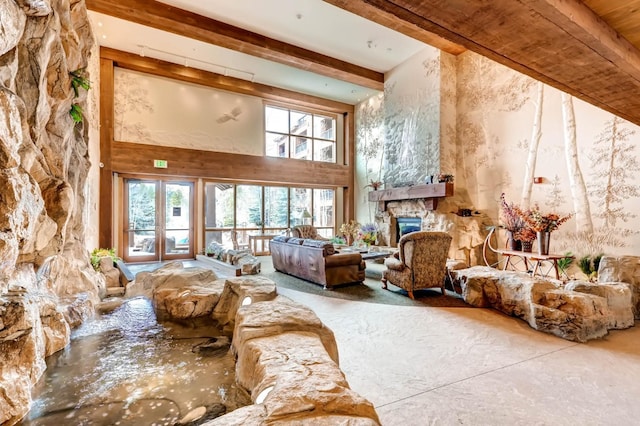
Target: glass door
{"x": 158, "y": 218}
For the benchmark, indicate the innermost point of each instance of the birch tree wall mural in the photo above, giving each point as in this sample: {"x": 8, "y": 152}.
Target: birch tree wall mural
{"x": 509, "y": 129}
{"x": 532, "y": 154}
{"x": 577, "y": 186}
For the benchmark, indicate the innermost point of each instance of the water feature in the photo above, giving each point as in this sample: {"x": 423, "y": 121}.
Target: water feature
{"x": 128, "y": 368}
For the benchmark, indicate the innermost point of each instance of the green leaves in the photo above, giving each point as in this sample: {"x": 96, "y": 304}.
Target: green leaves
{"x": 76, "y": 113}
{"x": 78, "y": 80}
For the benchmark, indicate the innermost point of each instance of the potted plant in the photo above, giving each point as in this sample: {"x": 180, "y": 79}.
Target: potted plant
{"x": 99, "y": 253}
{"x": 444, "y": 177}
{"x": 350, "y": 231}
{"x": 513, "y": 223}
{"x": 368, "y": 234}
{"x": 374, "y": 184}
{"x": 543, "y": 224}
{"x": 589, "y": 266}
{"x": 526, "y": 236}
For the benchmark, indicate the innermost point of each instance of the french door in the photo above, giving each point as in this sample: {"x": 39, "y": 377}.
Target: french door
{"x": 158, "y": 220}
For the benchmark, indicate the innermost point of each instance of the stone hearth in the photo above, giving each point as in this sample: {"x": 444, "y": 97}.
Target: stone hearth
{"x": 468, "y": 232}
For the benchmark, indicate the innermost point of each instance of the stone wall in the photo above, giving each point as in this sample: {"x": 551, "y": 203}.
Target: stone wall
{"x": 43, "y": 169}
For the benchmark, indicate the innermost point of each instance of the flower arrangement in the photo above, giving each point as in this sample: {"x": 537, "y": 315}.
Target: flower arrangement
{"x": 511, "y": 219}
{"x": 374, "y": 184}
{"x": 444, "y": 177}
{"x": 541, "y": 222}
{"x": 350, "y": 231}
{"x": 368, "y": 233}
{"x": 525, "y": 234}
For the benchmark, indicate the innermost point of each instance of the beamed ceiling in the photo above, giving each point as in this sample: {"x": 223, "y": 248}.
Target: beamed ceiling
{"x": 585, "y": 48}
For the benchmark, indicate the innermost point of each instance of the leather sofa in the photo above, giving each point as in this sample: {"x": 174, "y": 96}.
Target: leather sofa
{"x": 316, "y": 261}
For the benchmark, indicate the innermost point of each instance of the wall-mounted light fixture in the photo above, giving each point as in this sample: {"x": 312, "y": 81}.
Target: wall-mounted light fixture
{"x": 538, "y": 180}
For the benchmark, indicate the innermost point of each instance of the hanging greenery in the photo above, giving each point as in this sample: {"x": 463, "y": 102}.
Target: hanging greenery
{"x": 78, "y": 80}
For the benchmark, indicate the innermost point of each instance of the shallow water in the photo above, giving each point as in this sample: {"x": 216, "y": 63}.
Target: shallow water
{"x": 127, "y": 368}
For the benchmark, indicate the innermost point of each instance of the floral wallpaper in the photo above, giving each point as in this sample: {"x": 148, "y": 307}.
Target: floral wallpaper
{"x": 155, "y": 110}
{"x": 496, "y": 130}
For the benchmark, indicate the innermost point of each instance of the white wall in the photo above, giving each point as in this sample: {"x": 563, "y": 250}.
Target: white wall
{"x": 160, "y": 111}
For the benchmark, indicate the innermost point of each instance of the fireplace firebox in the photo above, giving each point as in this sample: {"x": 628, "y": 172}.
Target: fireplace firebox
{"x": 404, "y": 225}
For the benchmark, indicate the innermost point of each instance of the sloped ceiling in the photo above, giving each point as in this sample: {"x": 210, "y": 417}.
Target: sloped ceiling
{"x": 576, "y": 46}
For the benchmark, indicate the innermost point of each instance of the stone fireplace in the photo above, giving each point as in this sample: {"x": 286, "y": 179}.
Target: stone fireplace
{"x": 408, "y": 209}
{"x": 404, "y": 225}
{"x": 434, "y": 207}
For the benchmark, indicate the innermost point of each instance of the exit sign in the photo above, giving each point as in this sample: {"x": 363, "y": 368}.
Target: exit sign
{"x": 160, "y": 164}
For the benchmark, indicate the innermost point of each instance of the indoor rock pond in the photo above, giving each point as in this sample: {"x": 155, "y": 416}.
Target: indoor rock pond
{"x": 126, "y": 367}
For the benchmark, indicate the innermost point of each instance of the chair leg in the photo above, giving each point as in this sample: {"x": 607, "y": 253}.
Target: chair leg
{"x": 411, "y": 294}
{"x": 442, "y": 288}
{"x": 384, "y": 283}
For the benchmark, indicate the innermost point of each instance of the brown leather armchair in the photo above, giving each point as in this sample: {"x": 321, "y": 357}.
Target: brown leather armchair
{"x": 307, "y": 232}
{"x": 421, "y": 262}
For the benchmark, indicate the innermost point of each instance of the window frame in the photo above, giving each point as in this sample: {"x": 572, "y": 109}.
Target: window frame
{"x": 243, "y": 232}
{"x": 293, "y": 137}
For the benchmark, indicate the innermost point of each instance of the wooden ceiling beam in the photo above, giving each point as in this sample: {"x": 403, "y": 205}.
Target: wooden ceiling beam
{"x": 559, "y": 42}
{"x": 188, "y": 24}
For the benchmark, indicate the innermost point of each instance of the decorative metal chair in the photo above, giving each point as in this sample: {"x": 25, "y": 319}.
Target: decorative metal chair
{"x": 421, "y": 262}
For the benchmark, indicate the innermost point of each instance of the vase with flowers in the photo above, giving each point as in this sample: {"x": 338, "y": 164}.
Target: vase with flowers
{"x": 543, "y": 224}
{"x": 526, "y": 236}
{"x": 512, "y": 223}
{"x": 368, "y": 234}
{"x": 350, "y": 231}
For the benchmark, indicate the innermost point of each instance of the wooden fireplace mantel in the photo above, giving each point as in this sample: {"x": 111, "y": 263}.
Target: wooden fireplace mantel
{"x": 430, "y": 193}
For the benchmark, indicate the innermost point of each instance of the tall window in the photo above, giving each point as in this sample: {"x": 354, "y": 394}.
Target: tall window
{"x": 299, "y": 134}
{"x": 258, "y": 209}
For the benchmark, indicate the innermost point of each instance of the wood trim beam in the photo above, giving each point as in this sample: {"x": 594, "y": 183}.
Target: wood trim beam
{"x": 134, "y": 158}
{"x": 210, "y": 79}
{"x": 188, "y": 24}
{"x": 583, "y": 24}
{"x": 105, "y": 203}
{"x": 389, "y": 20}
{"x": 559, "y": 42}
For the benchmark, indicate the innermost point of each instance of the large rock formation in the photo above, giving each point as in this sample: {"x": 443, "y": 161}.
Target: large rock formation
{"x": 43, "y": 168}
{"x": 287, "y": 359}
{"x": 577, "y": 312}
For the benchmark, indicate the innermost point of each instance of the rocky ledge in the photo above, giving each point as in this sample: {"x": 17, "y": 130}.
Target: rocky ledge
{"x": 578, "y": 311}
{"x": 287, "y": 359}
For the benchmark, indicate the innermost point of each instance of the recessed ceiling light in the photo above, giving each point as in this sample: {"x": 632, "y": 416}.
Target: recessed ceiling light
{"x": 104, "y": 36}
{"x": 99, "y": 23}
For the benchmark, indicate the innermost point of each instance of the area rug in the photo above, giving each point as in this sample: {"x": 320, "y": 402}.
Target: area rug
{"x": 370, "y": 290}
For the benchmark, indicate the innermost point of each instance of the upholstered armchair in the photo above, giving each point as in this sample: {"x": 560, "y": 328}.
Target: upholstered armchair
{"x": 421, "y": 262}
{"x": 307, "y": 232}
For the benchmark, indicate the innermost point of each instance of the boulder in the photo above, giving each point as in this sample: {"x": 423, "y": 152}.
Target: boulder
{"x": 180, "y": 292}
{"x": 625, "y": 269}
{"x": 110, "y": 272}
{"x": 242, "y": 291}
{"x": 544, "y": 304}
{"x": 278, "y": 316}
{"x": 618, "y": 296}
{"x": 277, "y": 361}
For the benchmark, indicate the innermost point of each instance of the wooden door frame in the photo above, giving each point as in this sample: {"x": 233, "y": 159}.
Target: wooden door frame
{"x": 161, "y": 181}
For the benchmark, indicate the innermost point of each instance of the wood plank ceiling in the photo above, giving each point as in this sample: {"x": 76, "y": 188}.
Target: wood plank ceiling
{"x": 563, "y": 43}
{"x": 576, "y": 46}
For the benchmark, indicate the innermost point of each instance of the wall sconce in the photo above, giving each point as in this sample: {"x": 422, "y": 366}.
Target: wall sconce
{"x": 538, "y": 179}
